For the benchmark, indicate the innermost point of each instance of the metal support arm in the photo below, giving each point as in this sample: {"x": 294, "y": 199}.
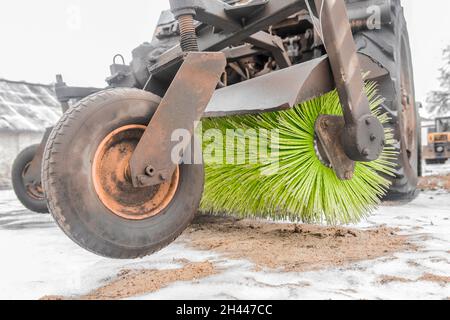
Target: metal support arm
{"x": 363, "y": 136}
{"x": 180, "y": 109}
{"x": 65, "y": 93}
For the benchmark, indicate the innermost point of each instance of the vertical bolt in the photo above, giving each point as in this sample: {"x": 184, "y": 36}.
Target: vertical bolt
{"x": 365, "y": 152}
{"x": 348, "y": 175}
{"x": 188, "y": 37}
{"x": 150, "y": 171}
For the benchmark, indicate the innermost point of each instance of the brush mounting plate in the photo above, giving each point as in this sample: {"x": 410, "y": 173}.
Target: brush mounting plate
{"x": 329, "y": 130}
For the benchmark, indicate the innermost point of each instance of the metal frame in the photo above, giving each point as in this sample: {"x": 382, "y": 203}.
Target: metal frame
{"x": 363, "y": 135}
{"x": 233, "y": 29}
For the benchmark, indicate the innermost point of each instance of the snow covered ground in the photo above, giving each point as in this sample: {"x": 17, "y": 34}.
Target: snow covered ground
{"x": 37, "y": 260}
{"x": 436, "y": 169}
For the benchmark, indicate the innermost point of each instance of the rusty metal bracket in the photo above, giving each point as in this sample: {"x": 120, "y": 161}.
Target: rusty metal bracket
{"x": 182, "y": 106}
{"x": 329, "y": 128}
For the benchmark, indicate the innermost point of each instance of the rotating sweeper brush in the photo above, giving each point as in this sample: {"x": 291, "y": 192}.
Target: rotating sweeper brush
{"x": 294, "y": 178}
{"x": 119, "y": 173}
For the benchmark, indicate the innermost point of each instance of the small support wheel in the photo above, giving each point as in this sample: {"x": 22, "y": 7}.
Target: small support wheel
{"x": 30, "y": 194}
{"x": 90, "y": 193}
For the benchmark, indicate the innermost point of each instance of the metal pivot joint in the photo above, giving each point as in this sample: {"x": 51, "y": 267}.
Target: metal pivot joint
{"x": 363, "y": 135}
{"x": 327, "y": 129}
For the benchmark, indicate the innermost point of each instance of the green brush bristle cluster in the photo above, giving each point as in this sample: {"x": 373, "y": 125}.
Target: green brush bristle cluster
{"x": 293, "y": 183}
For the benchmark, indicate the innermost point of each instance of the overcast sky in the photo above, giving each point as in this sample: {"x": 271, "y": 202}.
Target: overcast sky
{"x": 78, "y": 38}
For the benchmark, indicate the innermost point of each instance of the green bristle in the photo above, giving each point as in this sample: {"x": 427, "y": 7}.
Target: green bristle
{"x": 302, "y": 189}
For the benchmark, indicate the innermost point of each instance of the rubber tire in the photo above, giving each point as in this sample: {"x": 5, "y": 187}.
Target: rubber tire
{"x": 385, "y": 47}
{"x": 70, "y": 191}
{"x": 22, "y": 160}
{"x": 404, "y": 184}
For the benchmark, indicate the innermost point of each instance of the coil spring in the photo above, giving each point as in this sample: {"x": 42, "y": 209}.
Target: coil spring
{"x": 188, "y": 36}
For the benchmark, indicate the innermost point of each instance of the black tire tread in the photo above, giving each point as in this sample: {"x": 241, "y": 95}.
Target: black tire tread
{"x": 48, "y": 177}
{"x": 404, "y": 187}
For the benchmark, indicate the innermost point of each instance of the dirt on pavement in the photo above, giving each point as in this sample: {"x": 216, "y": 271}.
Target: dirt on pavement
{"x": 292, "y": 247}
{"x": 287, "y": 247}
{"x": 427, "y": 277}
{"x": 434, "y": 183}
{"x": 442, "y": 280}
{"x": 133, "y": 283}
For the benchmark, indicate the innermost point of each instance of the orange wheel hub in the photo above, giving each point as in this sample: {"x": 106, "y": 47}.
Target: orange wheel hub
{"x": 34, "y": 190}
{"x": 112, "y": 182}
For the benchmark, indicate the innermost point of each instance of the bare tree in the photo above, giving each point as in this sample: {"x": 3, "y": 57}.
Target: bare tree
{"x": 439, "y": 100}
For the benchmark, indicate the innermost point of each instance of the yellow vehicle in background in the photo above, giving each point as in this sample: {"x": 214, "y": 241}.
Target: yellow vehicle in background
{"x": 438, "y": 149}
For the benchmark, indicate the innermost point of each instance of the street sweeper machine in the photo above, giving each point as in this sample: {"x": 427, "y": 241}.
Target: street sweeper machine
{"x": 437, "y": 151}
{"x": 320, "y": 95}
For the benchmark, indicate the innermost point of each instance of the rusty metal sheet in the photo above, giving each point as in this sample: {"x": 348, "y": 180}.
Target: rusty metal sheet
{"x": 183, "y": 105}
{"x": 278, "y": 90}
{"x": 283, "y": 89}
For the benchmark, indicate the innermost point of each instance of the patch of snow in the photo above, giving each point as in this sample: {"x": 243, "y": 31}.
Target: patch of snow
{"x": 436, "y": 170}
{"x": 38, "y": 260}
